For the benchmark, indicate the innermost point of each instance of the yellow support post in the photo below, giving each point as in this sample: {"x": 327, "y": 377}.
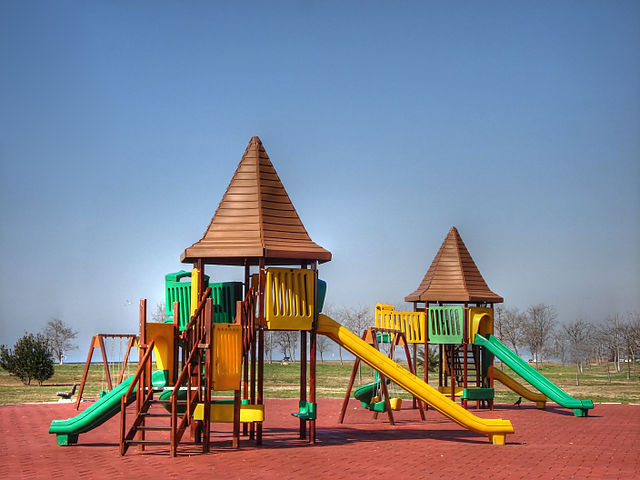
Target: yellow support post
{"x": 195, "y": 290}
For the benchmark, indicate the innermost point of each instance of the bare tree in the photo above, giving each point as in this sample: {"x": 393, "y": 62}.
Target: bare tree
{"x": 629, "y": 336}
{"x": 286, "y": 341}
{"x": 606, "y": 338}
{"x": 613, "y": 329}
{"x": 560, "y": 347}
{"x": 159, "y": 314}
{"x": 576, "y": 335}
{"x": 634, "y": 332}
{"x": 357, "y": 319}
{"x": 269, "y": 344}
{"x": 336, "y": 314}
{"x": 59, "y": 337}
{"x": 322, "y": 345}
{"x": 539, "y": 326}
{"x": 509, "y": 324}
{"x": 498, "y": 321}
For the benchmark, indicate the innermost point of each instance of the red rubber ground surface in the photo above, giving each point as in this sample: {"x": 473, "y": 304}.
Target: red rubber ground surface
{"x": 547, "y": 444}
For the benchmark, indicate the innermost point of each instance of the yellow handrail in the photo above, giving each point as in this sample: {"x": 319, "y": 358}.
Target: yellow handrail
{"x": 412, "y": 324}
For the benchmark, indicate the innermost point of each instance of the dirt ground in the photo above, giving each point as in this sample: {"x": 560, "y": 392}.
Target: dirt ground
{"x": 547, "y": 444}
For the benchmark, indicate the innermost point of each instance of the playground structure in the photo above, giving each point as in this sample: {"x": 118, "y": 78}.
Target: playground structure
{"x": 453, "y": 311}
{"x": 209, "y": 352}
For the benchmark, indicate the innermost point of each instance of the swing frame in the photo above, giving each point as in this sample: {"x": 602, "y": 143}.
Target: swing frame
{"x": 370, "y": 335}
{"x": 97, "y": 341}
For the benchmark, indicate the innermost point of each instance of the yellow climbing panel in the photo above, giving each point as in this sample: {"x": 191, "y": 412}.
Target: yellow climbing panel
{"x": 290, "y": 299}
{"x": 162, "y": 334}
{"x": 226, "y": 367}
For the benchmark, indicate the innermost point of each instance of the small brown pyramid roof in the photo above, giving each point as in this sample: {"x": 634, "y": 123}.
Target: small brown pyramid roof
{"x": 453, "y": 276}
{"x": 255, "y": 219}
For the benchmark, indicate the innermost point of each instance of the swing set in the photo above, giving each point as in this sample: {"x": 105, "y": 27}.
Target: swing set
{"x": 98, "y": 341}
{"x": 392, "y": 328}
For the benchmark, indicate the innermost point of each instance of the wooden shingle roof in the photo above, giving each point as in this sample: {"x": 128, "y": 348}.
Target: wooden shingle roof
{"x": 453, "y": 276}
{"x": 255, "y": 219}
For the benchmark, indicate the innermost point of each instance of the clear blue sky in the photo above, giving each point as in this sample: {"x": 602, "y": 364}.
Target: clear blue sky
{"x": 121, "y": 124}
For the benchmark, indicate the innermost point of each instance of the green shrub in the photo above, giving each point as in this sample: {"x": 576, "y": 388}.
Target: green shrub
{"x": 29, "y": 359}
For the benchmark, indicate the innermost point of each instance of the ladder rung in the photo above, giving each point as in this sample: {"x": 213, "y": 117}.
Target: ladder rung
{"x": 146, "y": 414}
{"x": 150, "y": 427}
{"x": 148, "y": 442}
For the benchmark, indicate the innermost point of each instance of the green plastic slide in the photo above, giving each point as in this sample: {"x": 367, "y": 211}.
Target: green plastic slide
{"x": 67, "y": 430}
{"x": 531, "y": 375}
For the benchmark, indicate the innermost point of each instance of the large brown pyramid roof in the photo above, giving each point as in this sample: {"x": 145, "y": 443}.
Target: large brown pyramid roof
{"x": 255, "y": 219}
{"x": 453, "y": 276}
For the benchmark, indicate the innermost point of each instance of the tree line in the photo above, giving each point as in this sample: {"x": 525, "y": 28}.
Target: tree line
{"x": 613, "y": 340}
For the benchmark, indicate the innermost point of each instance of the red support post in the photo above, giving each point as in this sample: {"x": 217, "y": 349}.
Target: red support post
{"x": 312, "y": 381}
{"x": 313, "y": 353}
{"x": 86, "y": 372}
{"x": 261, "y": 324}
{"x": 245, "y": 358}
{"x": 465, "y": 349}
{"x": 142, "y": 346}
{"x": 208, "y": 338}
{"x": 352, "y": 380}
{"x": 303, "y": 380}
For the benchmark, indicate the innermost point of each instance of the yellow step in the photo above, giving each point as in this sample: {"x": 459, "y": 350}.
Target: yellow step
{"x": 223, "y": 413}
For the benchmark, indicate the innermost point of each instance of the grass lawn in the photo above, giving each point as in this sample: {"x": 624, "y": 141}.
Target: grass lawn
{"x": 282, "y": 381}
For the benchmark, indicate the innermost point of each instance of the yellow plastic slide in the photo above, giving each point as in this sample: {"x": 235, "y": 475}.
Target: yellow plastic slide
{"x": 539, "y": 398}
{"x": 496, "y": 429}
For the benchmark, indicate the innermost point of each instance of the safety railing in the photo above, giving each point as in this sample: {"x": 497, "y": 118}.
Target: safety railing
{"x": 412, "y": 324}
{"x": 247, "y": 313}
{"x": 194, "y": 338}
{"x": 446, "y": 324}
{"x": 142, "y": 384}
{"x": 225, "y": 295}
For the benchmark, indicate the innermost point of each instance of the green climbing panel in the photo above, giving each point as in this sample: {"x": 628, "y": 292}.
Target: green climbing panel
{"x": 445, "y": 324}
{"x": 224, "y": 295}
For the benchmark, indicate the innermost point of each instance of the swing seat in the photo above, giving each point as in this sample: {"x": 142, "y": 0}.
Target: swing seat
{"x": 306, "y": 410}
{"x": 396, "y": 403}
{"x": 378, "y": 407}
{"x": 69, "y": 394}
